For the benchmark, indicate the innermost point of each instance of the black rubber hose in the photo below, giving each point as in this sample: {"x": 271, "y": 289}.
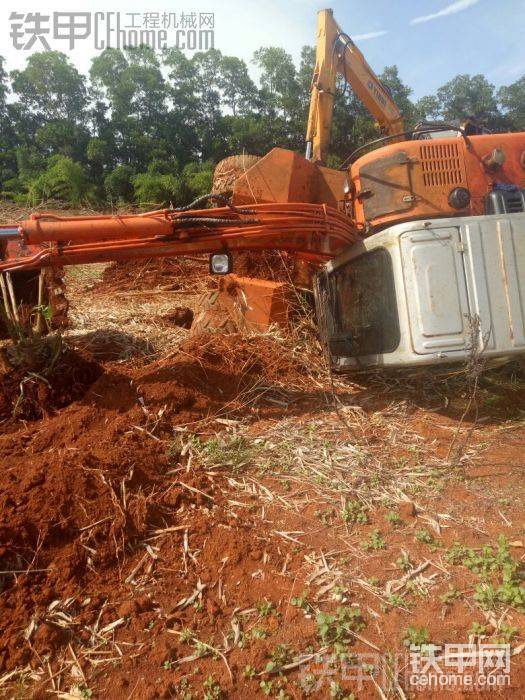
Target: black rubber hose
{"x": 218, "y": 198}
{"x": 210, "y": 221}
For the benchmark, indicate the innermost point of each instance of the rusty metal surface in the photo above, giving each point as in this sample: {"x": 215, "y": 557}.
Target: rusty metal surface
{"x": 434, "y": 168}
{"x": 385, "y": 186}
{"x": 285, "y": 176}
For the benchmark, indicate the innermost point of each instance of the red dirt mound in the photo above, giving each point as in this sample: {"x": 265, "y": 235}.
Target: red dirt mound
{"x": 211, "y": 371}
{"x": 81, "y": 491}
{"x": 30, "y": 395}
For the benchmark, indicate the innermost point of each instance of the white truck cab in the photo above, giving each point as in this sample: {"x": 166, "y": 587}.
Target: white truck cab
{"x": 426, "y": 292}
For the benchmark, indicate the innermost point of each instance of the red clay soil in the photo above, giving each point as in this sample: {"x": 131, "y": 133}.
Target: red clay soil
{"x": 115, "y": 547}
{"x": 29, "y": 396}
{"x": 80, "y": 492}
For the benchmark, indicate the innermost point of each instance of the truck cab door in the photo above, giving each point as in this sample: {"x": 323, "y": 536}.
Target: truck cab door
{"x": 436, "y": 291}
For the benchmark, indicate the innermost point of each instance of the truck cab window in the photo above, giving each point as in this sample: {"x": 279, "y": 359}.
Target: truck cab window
{"x": 363, "y": 306}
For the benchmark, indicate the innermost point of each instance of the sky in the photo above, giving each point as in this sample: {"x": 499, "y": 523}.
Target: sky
{"x": 430, "y": 41}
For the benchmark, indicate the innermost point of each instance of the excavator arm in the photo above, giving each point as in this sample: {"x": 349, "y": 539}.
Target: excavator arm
{"x": 314, "y": 231}
{"x": 337, "y": 54}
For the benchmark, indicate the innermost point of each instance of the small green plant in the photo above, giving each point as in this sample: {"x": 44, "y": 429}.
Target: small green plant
{"x": 337, "y": 693}
{"x": 501, "y": 575}
{"x": 506, "y": 634}
{"x": 174, "y": 450}
{"x": 394, "y": 600}
{"x": 301, "y": 602}
{"x": 426, "y": 537}
{"x": 450, "y": 596}
{"x": 403, "y": 562}
{"x": 336, "y": 630}
{"x": 266, "y": 687}
{"x": 355, "y": 512}
{"x": 326, "y": 516}
{"x": 279, "y": 657}
{"x": 478, "y": 630}
{"x": 212, "y": 689}
{"x": 234, "y": 451}
{"x": 201, "y": 649}
{"x": 258, "y": 633}
{"x": 374, "y": 542}
{"x": 281, "y": 695}
{"x": 249, "y": 671}
{"x": 265, "y": 608}
{"x": 183, "y": 690}
{"x": 416, "y": 636}
{"x": 393, "y": 518}
{"x": 187, "y": 635}
{"x": 339, "y": 594}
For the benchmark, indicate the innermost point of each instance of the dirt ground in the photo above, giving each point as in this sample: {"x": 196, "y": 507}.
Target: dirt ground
{"x": 217, "y": 517}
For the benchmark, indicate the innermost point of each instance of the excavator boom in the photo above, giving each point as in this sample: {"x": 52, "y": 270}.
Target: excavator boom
{"x": 336, "y": 54}
{"x": 315, "y": 231}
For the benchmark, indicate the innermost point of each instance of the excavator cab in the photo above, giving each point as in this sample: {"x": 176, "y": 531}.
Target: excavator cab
{"x": 425, "y": 293}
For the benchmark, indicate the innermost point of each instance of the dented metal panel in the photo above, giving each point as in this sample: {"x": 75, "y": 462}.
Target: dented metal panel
{"x": 435, "y": 289}
{"x": 495, "y": 271}
{"x": 451, "y": 276}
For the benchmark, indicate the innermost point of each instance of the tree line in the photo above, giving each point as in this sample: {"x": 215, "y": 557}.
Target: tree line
{"x": 147, "y": 127}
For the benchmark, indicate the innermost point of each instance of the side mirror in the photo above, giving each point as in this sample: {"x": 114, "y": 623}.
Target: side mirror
{"x": 221, "y": 263}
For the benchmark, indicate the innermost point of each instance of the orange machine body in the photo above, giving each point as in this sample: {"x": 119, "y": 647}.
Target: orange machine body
{"x": 413, "y": 179}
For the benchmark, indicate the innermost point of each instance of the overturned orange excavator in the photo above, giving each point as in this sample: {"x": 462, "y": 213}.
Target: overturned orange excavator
{"x": 418, "y": 245}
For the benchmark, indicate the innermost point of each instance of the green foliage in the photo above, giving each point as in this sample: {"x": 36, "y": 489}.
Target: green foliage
{"x": 450, "y": 596}
{"x": 394, "y": 600}
{"x": 212, "y": 689}
{"x": 336, "y": 629}
{"x": 501, "y": 576}
{"x": 119, "y": 184}
{"x": 374, "y": 542}
{"x": 506, "y": 634}
{"x": 234, "y": 451}
{"x": 393, "y": 518}
{"x": 63, "y": 179}
{"x": 478, "y": 630}
{"x": 51, "y": 88}
{"x": 198, "y": 178}
{"x": 426, "y": 537}
{"x": 355, "y": 512}
{"x": 338, "y": 693}
{"x": 157, "y": 188}
{"x": 301, "y": 602}
{"x": 416, "y": 636}
{"x": 280, "y": 656}
{"x": 266, "y": 608}
{"x": 512, "y": 99}
{"x": 149, "y": 127}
